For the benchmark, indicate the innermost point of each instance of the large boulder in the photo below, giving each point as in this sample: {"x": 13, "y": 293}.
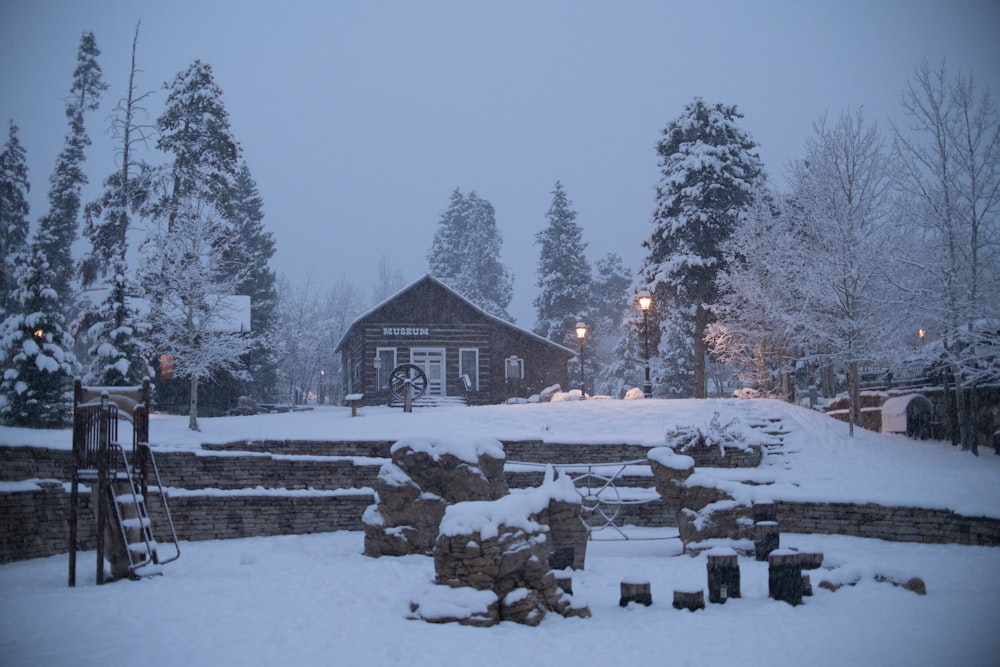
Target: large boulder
{"x": 427, "y": 475}
{"x": 502, "y": 549}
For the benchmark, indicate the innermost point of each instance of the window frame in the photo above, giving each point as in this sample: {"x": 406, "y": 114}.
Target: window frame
{"x": 462, "y": 370}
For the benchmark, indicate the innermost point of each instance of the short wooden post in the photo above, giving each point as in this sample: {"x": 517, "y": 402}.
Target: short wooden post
{"x": 784, "y": 581}
{"x": 764, "y": 510}
{"x": 766, "y": 539}
{"x": 635, "y": 590}
{"x": 692, "y": 599}
{"x": 353, "y": 399}
{"x": 723, "y": 575}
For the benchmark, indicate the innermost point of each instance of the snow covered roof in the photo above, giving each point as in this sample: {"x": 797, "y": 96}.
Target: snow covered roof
{"x": 438, "y": 283}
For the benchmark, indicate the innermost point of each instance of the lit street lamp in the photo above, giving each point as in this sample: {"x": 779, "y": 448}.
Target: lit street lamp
{"x": 581, "y": 333}
{"x": 645, "y": 303}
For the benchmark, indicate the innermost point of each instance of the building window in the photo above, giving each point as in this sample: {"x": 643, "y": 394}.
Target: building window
{"x": 387, "y": 361}
{"x": 355, "y": 384}
{"x": 513, "y": 368}
{"x": 468, "y": 364}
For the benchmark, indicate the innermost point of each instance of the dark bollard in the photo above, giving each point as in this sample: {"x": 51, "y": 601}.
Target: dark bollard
{"x": 635, "y": 590}
{"x": 723, "y": 575}
{"x": 764, "y": 510}
{"x": 766, "y": 539}
{"x": 692, "y": 600}
{"x": 784, "y": 580}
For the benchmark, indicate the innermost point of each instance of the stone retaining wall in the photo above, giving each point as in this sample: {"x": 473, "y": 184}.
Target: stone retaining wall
{"x": 187, "y": 470}
{"x": 898, "y": 524}
{"x": 35, "y": 523}
{"x": 17, "y": 463}
{"x": 224, "y": 517}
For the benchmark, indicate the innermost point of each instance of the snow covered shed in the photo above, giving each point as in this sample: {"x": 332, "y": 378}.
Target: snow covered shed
{"x": 450, "y": 338}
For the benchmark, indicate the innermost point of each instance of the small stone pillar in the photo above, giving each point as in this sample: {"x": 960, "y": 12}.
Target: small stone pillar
{"x": 723, "y": 575}
{"x": 691, "y": 599}
{"x": 635, "y": 590}
{"x": 766, "y": 539}
{"x": 784, "y": 580}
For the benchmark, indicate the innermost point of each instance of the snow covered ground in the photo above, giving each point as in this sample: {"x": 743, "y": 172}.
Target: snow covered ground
{"x": 315, "y": 600}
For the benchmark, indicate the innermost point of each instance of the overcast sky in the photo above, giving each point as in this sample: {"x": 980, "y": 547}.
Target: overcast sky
{"x": 359, "y": 118}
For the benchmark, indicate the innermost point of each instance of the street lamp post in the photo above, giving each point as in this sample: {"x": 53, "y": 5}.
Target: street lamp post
{"x": 645, "y": 303}
{"x": 581, "y": 333}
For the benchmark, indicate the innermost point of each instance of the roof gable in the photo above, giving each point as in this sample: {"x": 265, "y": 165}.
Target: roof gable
{"x": 429, "y": 299}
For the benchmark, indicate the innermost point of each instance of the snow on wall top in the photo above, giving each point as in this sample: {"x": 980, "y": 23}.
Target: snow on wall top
{"x": 464, "y": 449}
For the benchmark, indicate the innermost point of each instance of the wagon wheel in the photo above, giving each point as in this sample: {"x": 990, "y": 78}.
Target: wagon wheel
{"x": 407, "y": 375}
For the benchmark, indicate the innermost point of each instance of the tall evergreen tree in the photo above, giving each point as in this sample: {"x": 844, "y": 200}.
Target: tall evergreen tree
{"x": 194, "y": 189}
{"x": 708, "y": 171}
{"x": 610, "y": 299}
{"x": 465, "y": 254}
{"x": 14, "y": 211}
{"x": 57, "y": 230}
{"x": 118, "y": 350}
{"x": 563, "y": 272}
{"x": 194, "y": 131}
{"x": 38, "y": 361}
{"x": 249, "y": 257}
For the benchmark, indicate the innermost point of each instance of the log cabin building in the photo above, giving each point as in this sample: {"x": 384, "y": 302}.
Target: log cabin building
{"x": 466, "y": 353}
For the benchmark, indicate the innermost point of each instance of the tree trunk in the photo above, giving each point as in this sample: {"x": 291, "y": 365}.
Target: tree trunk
{"x": 193, "y": 405}
{"x": 854, "y": 396}
{"x": 827, "y": 380}
{"x": 700, "y": 349}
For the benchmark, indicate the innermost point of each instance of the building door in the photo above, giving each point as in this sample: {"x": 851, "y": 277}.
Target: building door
{"x": 431, "y": 361}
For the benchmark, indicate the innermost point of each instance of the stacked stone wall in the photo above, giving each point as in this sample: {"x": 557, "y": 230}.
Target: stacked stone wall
{"x": 188, "y": 470}
{"x": 17, "y": 463}
{"x": 898, "y": 524}
{"x": 35, "y": 523}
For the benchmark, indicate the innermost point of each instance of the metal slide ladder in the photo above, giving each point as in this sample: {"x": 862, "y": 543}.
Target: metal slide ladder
{"x": 121, "y": 488}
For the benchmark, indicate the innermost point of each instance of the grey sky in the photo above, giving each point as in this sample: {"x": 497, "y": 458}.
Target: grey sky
{"x": 358, "y": 119}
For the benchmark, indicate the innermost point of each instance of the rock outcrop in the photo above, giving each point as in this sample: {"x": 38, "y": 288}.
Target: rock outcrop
{"x": 492, "y": 559}
{"x": 425, "y": 477}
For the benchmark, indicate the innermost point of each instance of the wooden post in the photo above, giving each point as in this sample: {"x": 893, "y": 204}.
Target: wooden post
{"x": 764, "y": 510}
{"x": 79, "y": 443}
{"x": 766, "y": 538}
{"x": 100, "y": 496}
{"x": 354, "y": 399}
{"x": 723, "y": 575}
{"x": 635, "y": 590}
{"x": 692, "y": 600}
{"x": 784, "y": 576}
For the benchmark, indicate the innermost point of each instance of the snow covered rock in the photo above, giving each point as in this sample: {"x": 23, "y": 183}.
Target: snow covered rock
{"x": 427, "y": 475}
{"x": 506, "y": 547}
